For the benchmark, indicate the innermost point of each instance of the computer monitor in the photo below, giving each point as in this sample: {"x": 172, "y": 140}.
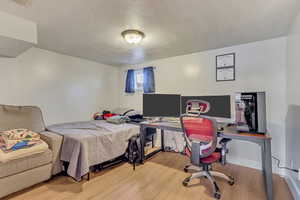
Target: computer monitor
{"x": 161, "y": 105}
{"x": 220, "y": 106}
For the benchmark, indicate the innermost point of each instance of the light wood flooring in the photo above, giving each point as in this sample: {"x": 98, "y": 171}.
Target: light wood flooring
{"x": 159, "y": 178}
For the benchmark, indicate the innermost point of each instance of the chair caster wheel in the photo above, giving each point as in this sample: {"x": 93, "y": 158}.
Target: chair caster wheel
{"x": 185, "y": 170}
{"x": 186, "y": 182}
{"x": 217, "y": 195}
{"x": 231, "y": 182}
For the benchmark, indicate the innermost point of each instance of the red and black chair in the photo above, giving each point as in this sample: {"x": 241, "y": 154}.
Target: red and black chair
{"x": 200, "y": 134}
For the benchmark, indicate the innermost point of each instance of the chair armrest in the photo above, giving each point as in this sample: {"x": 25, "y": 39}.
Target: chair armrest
{"x": 54, "y": 142}
{"x": 199, "y": 149}
{"x": 195, "y": 156}
{"x": 225, "y": 141}
{"x": 224, "y": 150}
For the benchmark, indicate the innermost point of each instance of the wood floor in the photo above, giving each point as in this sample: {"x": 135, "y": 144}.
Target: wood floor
{"x": 159, "y": 178}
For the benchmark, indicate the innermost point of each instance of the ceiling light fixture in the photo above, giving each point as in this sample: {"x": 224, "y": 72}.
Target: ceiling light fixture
{"x": 133, "y": 36}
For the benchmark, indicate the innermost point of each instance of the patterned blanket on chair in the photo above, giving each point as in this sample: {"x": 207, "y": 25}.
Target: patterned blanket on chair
{"x": 15, "y": 139}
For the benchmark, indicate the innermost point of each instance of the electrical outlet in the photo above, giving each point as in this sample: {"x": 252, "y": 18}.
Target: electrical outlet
{"x": 292, "y": 164}
{"x": 299, "y": 174}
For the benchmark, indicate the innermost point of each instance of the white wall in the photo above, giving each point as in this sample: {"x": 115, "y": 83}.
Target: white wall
{"x": 260, "y": 66}
{"x": 66, "y": 88}
{"x": 293, "y": 100}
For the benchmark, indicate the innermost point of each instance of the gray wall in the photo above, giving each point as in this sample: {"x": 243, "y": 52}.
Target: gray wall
{"x": 293, "y": 99}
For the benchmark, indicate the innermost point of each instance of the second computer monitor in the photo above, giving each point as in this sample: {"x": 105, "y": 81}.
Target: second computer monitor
{"x": 161, "y": 105}
{"x": 220, "y": 106}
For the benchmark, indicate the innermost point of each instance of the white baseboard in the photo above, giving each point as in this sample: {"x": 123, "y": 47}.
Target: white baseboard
{"x": 245, "y": 162}
{"x": 254, "y": 165}
{"x": 295, "y": 190}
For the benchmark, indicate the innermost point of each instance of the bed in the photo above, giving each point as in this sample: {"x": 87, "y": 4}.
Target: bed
{"x": 90, "y": 143}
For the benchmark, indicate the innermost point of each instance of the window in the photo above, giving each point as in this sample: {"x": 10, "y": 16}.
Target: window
{"x": 139, "y": 80}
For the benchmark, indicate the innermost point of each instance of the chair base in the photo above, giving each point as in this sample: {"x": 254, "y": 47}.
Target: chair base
{"x": 188, "y": 168}
{"x": 209, "y": 175}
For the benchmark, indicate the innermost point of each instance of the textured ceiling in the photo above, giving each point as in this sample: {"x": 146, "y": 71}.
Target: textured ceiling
{"x": 91, "y": 28}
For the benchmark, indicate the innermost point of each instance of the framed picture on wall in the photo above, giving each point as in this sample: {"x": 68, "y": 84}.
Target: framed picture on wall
{"x": 225, "y": 67}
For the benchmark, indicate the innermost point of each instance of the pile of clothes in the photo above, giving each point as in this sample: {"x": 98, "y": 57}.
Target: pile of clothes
{"x": 118, "y": 119}
{"x": 104, "y": 116}
{"x": 118, "y": 116}
{"x": 111, "y": 117}
{"x": 15, "y": 139}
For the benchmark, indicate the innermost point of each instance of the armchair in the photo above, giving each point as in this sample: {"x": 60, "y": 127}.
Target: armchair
{"x": 24, "y": 172}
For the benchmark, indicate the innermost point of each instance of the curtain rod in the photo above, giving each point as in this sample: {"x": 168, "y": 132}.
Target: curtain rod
{"x": 138, "y": 69}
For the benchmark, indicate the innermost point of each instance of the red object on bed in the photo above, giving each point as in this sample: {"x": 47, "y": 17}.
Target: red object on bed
{"x": 108, "y": 115}
{"x": 98, "y": 116}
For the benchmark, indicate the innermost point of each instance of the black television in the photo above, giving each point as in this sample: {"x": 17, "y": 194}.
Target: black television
{"x": 161, "y": 105}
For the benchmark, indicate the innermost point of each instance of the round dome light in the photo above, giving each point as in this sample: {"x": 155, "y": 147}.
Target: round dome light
{"x": 133, "y": 36}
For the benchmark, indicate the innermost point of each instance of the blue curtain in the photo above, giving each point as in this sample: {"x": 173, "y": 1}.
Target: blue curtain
{"x": 130, "y": 81}
{"x": 149, "y": 84}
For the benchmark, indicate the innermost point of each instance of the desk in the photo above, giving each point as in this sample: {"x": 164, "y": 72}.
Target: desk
{"x": 229, "y": 132}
